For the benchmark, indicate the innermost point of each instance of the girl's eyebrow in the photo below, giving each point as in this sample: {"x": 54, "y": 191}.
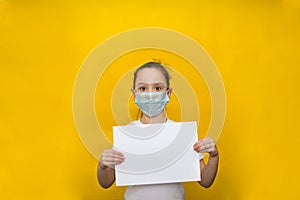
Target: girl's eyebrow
{"x": 159, "y": 83}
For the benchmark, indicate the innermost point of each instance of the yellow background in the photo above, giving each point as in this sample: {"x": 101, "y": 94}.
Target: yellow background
{"x": 255, "y": 44}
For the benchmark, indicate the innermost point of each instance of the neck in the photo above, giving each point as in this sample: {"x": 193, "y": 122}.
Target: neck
{"x": 161, "y": 118}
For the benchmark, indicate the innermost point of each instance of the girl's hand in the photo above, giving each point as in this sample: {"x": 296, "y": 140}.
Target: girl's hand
{"x": 110, "y": 158}
{"x": 206, "y": 145}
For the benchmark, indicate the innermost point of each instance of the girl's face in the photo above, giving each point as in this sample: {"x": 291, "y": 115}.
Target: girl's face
{"x": 150, "y": 80}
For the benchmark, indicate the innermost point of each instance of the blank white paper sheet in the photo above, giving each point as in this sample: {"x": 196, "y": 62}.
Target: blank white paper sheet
{"x": 157, "y": 153}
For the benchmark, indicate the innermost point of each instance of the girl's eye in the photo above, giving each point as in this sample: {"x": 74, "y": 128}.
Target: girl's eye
{"x": 158, "y": 88}
{"x": 142, "y": 89}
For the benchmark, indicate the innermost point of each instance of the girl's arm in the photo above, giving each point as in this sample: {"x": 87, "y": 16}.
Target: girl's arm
{"x": 209, "y": 170}
{"x": 106, "y": 172}
{"x": 105, "y": 175}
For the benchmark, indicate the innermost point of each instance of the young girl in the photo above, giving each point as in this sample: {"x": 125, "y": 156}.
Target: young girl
{"x": 152, "y": 81}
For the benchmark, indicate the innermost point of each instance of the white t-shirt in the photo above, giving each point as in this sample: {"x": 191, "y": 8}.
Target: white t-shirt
{"x": 165, "y": 191}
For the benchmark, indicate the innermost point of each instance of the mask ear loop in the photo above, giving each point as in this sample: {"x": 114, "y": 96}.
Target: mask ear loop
{"x": 140, "y": 113}
{"x": 165, "y": 108}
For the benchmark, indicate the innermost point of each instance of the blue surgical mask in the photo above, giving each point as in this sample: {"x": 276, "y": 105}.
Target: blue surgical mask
{"x": 151, "y": 103}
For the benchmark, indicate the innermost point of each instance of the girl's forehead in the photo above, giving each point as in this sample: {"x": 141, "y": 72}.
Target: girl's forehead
{"x": 150, "y": 76}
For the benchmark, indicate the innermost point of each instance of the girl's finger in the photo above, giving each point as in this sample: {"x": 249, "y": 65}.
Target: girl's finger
{"x": 205, "y": 146}
{"x": 108, "y": 163}
{"x": 117, "y": 152}
{"x": 113, "y": 155}
{"x": 112, "y": 160}
{"x": 197, "y": 149}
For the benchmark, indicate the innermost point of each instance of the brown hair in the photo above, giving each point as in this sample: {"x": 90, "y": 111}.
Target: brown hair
{"x": 155, "y": 65}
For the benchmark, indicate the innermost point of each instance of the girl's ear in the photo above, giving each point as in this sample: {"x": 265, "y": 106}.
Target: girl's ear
{"x": 133, "y": 93}
{"x": 169, "y": 92}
